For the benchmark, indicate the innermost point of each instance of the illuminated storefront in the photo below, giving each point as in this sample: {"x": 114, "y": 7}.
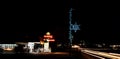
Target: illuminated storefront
{"x": 8, "y": 46}
{"x": 32, "y": 47}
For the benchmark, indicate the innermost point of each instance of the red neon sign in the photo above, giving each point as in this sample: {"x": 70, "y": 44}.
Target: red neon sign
{"x": 51, "y": 40}
{"x": 48, "y": 36}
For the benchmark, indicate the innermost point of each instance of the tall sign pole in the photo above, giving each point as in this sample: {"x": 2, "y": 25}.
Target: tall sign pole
{"x": 74, "y": 27}
{"x": 70, "y": 32}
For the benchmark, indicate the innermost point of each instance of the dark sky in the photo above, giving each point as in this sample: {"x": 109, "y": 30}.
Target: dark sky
{"x": 27, "y": 20}
{"x": 33, "y": 19}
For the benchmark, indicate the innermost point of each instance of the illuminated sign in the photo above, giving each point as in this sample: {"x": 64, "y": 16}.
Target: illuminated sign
{"x": 46, "y": 45}
{"x": 48, "y": 36}
{"x": 51, "y": 40}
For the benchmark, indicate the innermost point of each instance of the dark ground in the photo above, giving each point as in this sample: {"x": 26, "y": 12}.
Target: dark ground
{"x": 30, "y": 56}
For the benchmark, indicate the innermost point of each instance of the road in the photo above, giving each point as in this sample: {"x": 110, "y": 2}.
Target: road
{"x": 53, "y": 55}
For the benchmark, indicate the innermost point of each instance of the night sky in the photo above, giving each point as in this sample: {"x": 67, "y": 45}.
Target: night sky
{"x": 30, "y": 20}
